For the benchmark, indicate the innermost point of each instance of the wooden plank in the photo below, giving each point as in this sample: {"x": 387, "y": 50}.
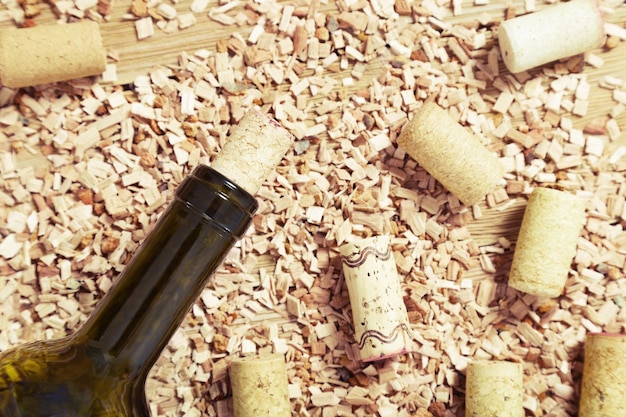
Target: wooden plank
{"x": 163, "y": 49}
{"x": 99, "y": 155}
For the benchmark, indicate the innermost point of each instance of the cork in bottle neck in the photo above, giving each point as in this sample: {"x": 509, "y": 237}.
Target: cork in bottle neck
{"x": 217, "y": 197}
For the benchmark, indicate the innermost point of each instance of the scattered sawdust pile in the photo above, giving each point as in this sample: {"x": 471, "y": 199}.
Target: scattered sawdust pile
{"x": 87, "y": 167}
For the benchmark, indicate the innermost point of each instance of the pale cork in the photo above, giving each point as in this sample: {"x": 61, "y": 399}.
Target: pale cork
{"x": 494, "y": 389}
{"x": 255, "y": 147}
{"x": 556, "y": 32}
{"x": 546, "y": 243}
{"x": 451, "y": 154}
{"x": 603, "y": 389}
{"x": 379, "y": 315}
{"x": 260, "y": 386}
{"x": 50, "y": 53}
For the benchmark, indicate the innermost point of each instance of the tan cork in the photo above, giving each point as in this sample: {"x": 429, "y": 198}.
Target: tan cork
{"x": 546, "y": 243}
{"x": 451, "y": 154}
{"x": 253, "y": 150}
{"x": 603, "y": 389}
{"x": 50, "y": 53}
{"x": 260, "y": 386}
{"x": 494, "y": 389}
{"x": 556, "y": 32}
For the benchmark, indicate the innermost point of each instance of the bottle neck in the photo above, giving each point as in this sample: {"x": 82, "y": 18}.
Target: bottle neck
{"x": 137, "y": 318}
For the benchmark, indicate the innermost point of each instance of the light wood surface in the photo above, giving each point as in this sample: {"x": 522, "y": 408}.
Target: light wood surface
{"x": 163, "y": 49}
{"x": 503, "y": 221}
{"x": 138, "y": 57}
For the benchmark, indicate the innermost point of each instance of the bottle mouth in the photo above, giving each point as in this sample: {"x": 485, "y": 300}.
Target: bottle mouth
{"x": 219, "y": 198}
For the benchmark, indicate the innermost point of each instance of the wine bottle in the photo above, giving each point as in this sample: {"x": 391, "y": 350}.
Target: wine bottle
{"x": 101, "y": 369}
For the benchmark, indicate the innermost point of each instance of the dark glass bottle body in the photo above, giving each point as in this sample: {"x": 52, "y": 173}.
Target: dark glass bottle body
{"x": 100, "y": 370}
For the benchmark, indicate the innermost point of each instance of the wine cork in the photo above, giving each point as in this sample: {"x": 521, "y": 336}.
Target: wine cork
{"x": 260, "y": 386}
{"x": 451, "y": 154}
{"x": 253, "y": 150}
{"x": 546, "y": 242}
{"x": 603, "y": 390}
{"x": 380, "y": 318}
{"x": 494, "y": 389}
{"x": 556, "y": 32}
{"x": 50, "y": 53}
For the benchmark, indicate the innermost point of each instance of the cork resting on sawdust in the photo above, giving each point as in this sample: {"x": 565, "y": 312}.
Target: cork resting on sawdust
{"x": 381, "y": 321}
{"x": 494, "y": 389}
{"x": 50, "y": 53}
{"x": 603, "y": 389}
{"x": 451, "y": 154}
{"x": 546, "y": 243}
{"x": 556, "y": 32}
{"x": 260, "y": 386}
{"x": 255, "y": 147}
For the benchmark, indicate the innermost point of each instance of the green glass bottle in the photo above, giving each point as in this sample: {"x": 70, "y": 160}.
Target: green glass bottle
{"x": 100, "y": 370}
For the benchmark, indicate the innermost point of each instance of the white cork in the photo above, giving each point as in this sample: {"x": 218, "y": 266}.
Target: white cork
{"x": 603, "y": 389}
{"x": 260, "y": 386}
{"x": 380, "y": 317}
{"x": 494, "y": 389}
{"x": 253, "y": 150}
{"x": 50, "y": 53}
{"x": 451, "y": 154}
{"x": 556, "y": 32}
{"x": 546, "y": 243}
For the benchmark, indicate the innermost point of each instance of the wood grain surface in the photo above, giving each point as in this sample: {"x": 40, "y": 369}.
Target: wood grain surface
{"x": 138, "y": 57}
{"x": 495, "y": 225}
{"x": 163, "y": 49}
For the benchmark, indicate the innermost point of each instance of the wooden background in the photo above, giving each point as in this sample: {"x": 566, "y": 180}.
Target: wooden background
{"x": 138, "y": 57}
